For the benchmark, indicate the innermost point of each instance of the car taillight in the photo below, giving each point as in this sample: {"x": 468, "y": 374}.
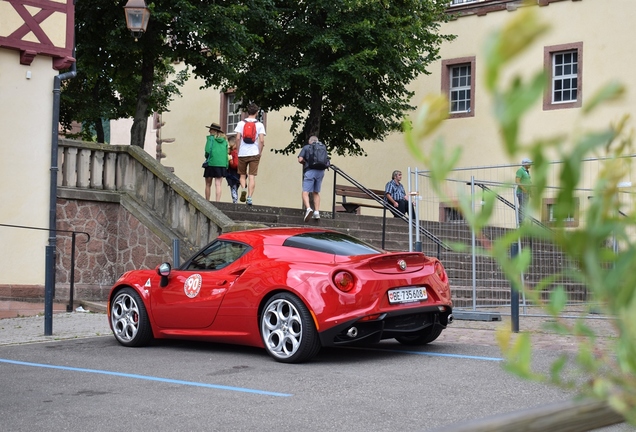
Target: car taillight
{"x": 344, "y": 281}
{"x": 439, "y": 270}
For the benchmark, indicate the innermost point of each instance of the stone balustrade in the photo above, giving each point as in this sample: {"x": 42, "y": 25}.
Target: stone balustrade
{"x": 133, "y": 174}
{"x": 132, "y": 208}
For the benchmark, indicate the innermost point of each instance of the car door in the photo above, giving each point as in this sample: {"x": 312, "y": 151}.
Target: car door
{"x": 194, "y": 293}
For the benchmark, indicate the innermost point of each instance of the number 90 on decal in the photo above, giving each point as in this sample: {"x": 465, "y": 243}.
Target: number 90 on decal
{"x": 407, "y": 295}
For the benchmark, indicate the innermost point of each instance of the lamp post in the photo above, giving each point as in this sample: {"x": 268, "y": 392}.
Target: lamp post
{"x": 137, "y": 15}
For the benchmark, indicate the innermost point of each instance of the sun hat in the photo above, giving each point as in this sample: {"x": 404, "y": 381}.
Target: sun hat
{"x": 526, "y": 161}
{"x": 215, "y": 126}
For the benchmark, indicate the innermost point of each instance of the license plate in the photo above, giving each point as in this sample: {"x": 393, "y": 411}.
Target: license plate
{"x": 407, "y": 295}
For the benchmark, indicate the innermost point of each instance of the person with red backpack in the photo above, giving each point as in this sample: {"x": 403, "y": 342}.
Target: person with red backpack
{"x": 250, "y": 136}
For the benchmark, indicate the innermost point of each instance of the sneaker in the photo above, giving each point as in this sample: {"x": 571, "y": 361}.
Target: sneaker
{"x": 249, "y": 200}
{"x": 316, "y": 215}
{"x": 243, "y": 195}
{"x": 308, "y": 214}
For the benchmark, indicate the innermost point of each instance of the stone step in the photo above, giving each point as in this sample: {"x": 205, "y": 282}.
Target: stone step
{"x": 575, "y": 293}
{"x": 366, "y": 228}
{"x": 493, "y": 286}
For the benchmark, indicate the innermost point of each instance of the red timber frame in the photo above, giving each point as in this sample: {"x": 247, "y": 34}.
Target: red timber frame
{"x": 62, "y": 55}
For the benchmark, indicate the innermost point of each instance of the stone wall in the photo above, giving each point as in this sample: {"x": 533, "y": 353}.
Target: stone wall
{"x": 118, "y": 242}
{"x": 131, "y": 207}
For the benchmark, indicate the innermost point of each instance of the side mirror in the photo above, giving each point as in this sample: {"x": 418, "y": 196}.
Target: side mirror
{"x": 163, "y": 270}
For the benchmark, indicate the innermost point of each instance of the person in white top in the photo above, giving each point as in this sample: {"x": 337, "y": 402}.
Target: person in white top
{"x": 249, "y": 154}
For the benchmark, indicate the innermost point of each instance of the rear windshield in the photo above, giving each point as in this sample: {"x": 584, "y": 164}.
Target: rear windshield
{"x": 331, "y": 243}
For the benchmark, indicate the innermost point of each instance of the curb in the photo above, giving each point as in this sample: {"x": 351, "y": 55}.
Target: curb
{"x": 94, "y": 306}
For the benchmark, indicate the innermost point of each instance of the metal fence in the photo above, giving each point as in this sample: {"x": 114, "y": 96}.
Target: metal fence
{"x": 477, "y": 281}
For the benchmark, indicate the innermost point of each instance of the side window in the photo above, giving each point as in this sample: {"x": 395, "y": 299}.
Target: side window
{"x": 217, "y": 255}
{"x": 563, "y": 65}
{"x": 458, "y": 82}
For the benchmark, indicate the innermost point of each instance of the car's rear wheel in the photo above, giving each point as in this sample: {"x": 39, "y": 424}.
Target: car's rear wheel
{"x": 129, "y": 319}
{"x": 428, "y": 335}
{"x": 288, "y": 330}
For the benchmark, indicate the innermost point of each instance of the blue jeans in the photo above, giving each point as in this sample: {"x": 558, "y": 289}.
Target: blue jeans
{"x": 522, "y": 198}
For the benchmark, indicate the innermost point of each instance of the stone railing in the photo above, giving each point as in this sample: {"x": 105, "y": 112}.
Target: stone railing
{"x": 128, "y": 175}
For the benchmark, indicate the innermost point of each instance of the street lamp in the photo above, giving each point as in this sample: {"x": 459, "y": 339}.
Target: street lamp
{"x": 137, "y": 15}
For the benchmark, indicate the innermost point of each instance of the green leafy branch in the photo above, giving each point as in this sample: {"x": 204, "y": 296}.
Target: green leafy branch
{"x": 601, "y": 251}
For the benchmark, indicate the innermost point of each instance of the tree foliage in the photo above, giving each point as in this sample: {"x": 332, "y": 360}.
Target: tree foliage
{"x": 607, "y": 271}
{"x": 343, "y": 65}
{"x": 119, "y": 77}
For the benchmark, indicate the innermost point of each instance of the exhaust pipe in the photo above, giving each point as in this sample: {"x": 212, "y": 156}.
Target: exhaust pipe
{"x": 450, "y": 318}
{"x": 352, "y": 332}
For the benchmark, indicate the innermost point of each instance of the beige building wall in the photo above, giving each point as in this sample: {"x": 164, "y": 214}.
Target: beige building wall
{"x": 279, "y": 178}
{"x": 603, "y": 29}
{"x": 120, "y": 134}
{"x": 25, "y": 139}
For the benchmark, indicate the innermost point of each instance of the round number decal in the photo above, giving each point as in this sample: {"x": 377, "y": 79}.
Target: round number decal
{"x": 192, "y": 286}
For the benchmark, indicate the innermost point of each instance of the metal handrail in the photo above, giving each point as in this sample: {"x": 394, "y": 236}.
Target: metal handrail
{"x": 380, "y": 200}
{"x": 512, "y": 206}
{"x": 69, "y": 307}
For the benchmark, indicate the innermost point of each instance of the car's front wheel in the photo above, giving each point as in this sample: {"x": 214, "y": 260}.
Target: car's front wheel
{"x": 428, "y": 335}
{"x": 288, "y": 330}
{"x": 129, "y": 319}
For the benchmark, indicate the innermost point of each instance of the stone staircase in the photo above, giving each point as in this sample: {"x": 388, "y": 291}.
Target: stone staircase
{"x": 492, "y": 287}
{"x": 366, "y": 228}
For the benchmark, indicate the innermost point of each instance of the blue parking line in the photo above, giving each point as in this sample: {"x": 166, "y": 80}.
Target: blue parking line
{"x": 148, "y": 378}
{"x": 463, "y": 356}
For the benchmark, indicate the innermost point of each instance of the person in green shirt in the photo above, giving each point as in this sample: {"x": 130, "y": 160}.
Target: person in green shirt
{"x": 524, "y": 182}
{"x": 216, "y": 160}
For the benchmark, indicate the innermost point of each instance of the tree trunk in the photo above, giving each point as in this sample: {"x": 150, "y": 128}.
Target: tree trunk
{"x": 312, "y": 127}
{"x": 140, "y": 122}
{"x": 99, "y": 130}
{"x": 569, "y": 416}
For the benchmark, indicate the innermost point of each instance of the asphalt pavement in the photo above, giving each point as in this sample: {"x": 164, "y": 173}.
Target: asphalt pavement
{"x": 90, "y": 320}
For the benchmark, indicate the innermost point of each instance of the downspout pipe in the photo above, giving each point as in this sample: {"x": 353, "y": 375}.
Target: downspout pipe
{"x": 49, "y": 274}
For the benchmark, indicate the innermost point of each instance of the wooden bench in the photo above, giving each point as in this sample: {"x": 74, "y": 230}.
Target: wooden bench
{"x": 353, "y": 192}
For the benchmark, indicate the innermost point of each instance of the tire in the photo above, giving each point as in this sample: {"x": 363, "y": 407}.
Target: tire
{"x": 129, "y": 319}
{"x": 288, "y": 330}
{"x": 428, "y": 335}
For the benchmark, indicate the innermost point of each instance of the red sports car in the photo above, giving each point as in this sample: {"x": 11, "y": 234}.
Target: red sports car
{"x": 289, "y": 290}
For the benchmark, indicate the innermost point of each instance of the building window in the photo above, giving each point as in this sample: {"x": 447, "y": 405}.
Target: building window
{"x": 564, "y": 77}
{"x": 460, "y": 88}
{"x": 548, "y": 213}
{"x": 231, "y": 113}
{"x": 450, "y": 212}
{"x": 458, "y": 82}
{"x": 563, "y": 65}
